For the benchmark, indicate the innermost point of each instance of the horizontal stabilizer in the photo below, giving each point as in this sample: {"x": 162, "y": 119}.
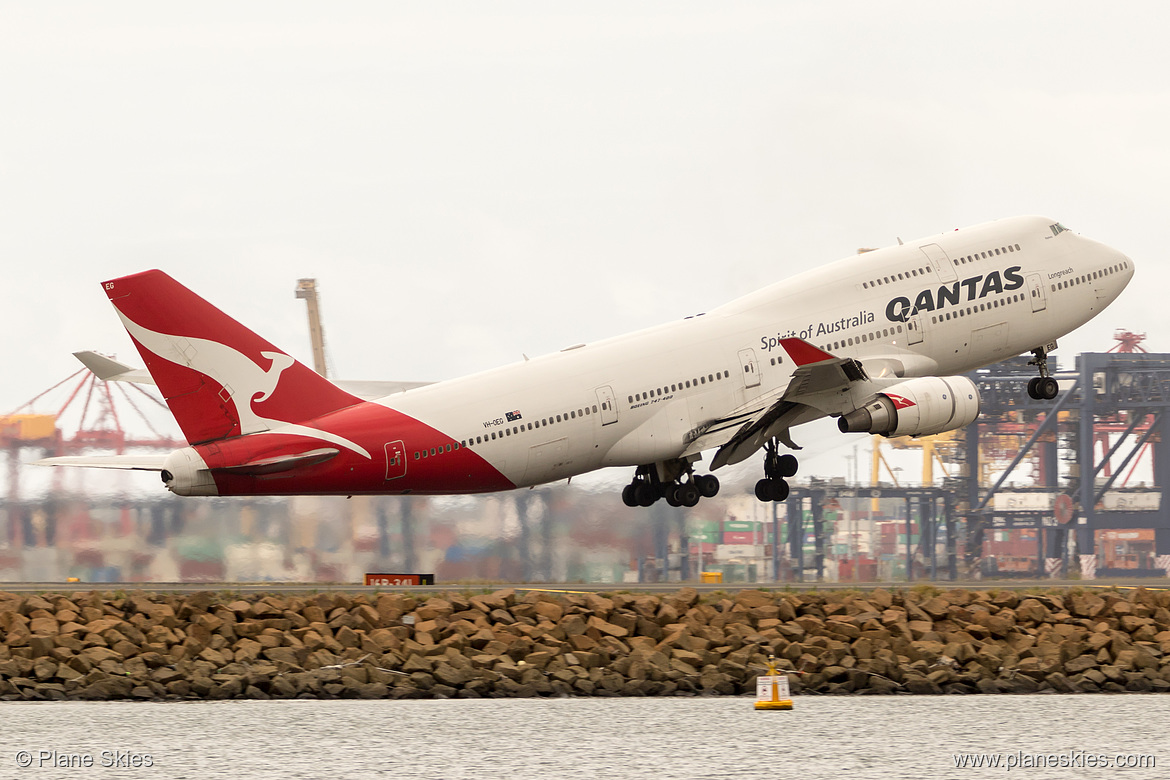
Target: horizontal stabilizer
{"x": 109, "y": 370}
{"x": 132, "y": 462}
{"x": 259, "y": 468}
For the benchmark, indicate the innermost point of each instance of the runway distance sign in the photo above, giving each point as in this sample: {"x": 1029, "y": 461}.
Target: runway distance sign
{"x": 398, "y": 580}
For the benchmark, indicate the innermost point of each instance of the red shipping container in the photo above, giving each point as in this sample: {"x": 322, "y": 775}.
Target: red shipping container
{"x": 742, "y": 537}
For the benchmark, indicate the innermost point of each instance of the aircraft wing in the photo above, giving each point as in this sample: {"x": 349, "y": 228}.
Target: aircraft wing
{"x": 821, "y": 384}
{"x": 111, "y": 370}
{"x": 722, "y": 430}
{"x": 131, "y": 462}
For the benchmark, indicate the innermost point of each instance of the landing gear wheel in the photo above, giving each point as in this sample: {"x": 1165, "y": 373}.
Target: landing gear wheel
{"x": 645, "y": 494}
{"x": 688, "y": 494}
{"x": 708, "y": 485}
{"x": 786, "y": 465}
{"x": 672, "y": 496}
{"x": 772, "y": 490}
{"x": 1033, "y": 391}
{"x": 1048, "y": 388}
{"x": 628, "y": 496}
{"x": 776, "y": 468}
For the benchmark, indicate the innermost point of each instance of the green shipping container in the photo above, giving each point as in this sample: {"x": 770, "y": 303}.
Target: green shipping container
{"x": 706, "y": 533}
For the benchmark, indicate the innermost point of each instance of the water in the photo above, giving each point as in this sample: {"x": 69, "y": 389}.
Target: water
{"x": 534, "y": 739}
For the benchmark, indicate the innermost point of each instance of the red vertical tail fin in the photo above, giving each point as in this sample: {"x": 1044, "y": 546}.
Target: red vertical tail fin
{"x": 219, "y": 378}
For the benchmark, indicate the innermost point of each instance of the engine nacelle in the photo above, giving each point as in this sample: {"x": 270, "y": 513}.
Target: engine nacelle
{"x": 917, "y": 407}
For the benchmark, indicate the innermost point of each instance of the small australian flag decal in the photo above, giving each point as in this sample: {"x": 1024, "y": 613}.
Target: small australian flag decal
{"x": 514, "y": 416}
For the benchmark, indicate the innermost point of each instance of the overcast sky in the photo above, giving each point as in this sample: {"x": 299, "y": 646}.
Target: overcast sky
{"x": 473, "y": 181}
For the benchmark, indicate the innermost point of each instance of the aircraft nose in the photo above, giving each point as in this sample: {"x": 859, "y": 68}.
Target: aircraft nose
{"x": 1126, "y": 275}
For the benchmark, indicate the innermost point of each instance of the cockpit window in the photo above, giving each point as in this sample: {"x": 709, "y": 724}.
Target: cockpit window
{"x": 1057, "y": 229}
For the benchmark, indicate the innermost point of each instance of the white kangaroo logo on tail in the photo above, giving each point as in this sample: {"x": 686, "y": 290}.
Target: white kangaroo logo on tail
{"x": 240, "y": 376}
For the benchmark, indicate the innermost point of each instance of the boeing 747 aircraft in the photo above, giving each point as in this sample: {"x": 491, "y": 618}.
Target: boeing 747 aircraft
{"x": 878, "y": 341}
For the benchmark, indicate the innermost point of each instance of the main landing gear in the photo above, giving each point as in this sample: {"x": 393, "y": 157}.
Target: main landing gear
{"x": 774, "y": 486}
{"x": 684, "y": 489}
{"x": 1043, "y": 387}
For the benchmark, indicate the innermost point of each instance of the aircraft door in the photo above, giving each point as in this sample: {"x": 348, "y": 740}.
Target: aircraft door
{"x": 751, "y": 369}
{"x": 942, "y": 264}
{"x": 1036, "y": 292}
{"x": 606, "y": 405}
{"x": 914, "y": 330}
{"x": 395, "y": 460}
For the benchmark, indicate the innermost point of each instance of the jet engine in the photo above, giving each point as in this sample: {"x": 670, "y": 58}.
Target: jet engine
{"x": 917, "y": 407}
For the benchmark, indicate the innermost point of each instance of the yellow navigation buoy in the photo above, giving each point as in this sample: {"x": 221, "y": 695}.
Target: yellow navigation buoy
{"x": 772, "y": 690}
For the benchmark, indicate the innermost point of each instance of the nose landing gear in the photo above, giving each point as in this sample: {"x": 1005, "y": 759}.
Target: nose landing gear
{"x": 1043, "y": 387}
{"x": 774, "y": 485}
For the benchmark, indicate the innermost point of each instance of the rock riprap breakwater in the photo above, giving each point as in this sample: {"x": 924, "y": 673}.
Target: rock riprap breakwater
{"x": 530, "y": 643}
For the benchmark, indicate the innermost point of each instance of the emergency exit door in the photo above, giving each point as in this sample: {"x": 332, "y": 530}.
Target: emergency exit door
{"x": 1036, "y": 292}
{"x": 751, "y": 369}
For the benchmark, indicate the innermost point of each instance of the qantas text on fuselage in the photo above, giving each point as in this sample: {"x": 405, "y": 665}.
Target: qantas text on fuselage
{"x": 900, "y": 309}
{"x": 878, "y": 340}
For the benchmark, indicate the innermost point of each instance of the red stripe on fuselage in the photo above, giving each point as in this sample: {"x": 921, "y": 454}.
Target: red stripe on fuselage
{"x": 371, "y": 426}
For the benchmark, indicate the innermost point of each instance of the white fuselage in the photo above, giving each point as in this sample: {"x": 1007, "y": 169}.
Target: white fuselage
{"x": 942, "y": 305}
